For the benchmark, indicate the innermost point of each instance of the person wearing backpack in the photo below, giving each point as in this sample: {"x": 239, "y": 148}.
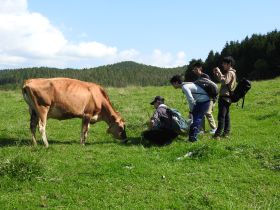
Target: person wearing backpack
{"x": 198, "y": 101}
{"x": 228, "y": 84}
{"x": 160, "y": 129}
{"x": 198, "y": 71}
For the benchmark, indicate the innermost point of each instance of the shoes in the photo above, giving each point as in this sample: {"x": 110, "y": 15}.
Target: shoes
{"x": 192, "y": 140}
{"x": 216, "y": 136}
{"x": 201, "y": 132}
{"x": 212, "y": 131}
{"x": 225, "y": 135}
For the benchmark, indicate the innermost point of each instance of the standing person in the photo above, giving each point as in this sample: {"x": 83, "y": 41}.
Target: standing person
{"x": 228, "y": 83}
{"x": 160, "y": 131}
{"x": 198, "y": 101}
{"x": 198, "y": 71}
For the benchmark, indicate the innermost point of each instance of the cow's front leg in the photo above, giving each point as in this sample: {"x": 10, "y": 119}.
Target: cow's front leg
{"x": 85, "y": 128}
{"x": 42, "y": 129}
{"x": 42, "y": 125}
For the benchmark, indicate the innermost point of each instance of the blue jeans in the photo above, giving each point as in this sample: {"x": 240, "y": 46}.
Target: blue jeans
{"x": 198, "y": 113}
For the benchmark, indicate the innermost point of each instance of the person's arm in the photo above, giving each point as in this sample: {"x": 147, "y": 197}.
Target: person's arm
{"x": 189, "y": 97}
{"x": 155, "y": 119}
{"x": 218, "y": 74}
{"x": 227, "y": 78}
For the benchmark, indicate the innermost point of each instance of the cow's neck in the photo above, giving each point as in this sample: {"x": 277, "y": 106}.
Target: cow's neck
{"x": 108, "y": 114}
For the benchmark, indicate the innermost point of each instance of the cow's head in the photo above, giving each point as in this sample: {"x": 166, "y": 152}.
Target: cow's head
{"x": 117, "y": 128}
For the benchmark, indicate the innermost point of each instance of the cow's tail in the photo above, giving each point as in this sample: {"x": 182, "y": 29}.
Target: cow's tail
{"x": 26, "y": 92}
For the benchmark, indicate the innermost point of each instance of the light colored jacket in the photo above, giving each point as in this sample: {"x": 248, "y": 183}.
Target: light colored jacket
{"x": 194, "y": 94}
{"x": 228, "y": 81}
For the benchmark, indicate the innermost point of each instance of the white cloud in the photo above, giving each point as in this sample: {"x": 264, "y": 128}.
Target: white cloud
{"x": 13, "y": 6}
{"x": 180, "y": 59}
{"x": 27, "y": 34}
{"x": 8, "y": 59}
{"x": 89, "y": 50}
{"x": 161, "y": 59}
{"x": 29, "y": 39}
{"x": 167, "y": 59}
{"x": 30, "y": 34}
{"x": 128, "y": 54}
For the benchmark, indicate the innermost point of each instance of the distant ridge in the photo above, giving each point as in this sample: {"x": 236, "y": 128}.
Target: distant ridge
{"x": 121, "y": 74}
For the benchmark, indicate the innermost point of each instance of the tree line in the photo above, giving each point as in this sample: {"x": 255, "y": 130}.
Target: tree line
{"x": 122, "y": 74}
{"x": 257, "y": 58}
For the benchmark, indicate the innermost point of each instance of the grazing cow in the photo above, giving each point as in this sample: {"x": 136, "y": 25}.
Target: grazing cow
{"x": 64, "y": 98}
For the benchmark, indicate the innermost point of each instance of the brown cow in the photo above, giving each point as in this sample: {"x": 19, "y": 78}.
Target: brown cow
{"x": 64, "y": 98}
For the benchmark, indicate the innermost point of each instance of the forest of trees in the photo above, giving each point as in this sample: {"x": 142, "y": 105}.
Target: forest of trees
{"x": 257, "y": 58}
{"x": 115, "y": 75}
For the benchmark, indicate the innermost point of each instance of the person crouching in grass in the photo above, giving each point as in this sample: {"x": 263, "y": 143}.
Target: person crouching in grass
{"x": 160, "y": 131}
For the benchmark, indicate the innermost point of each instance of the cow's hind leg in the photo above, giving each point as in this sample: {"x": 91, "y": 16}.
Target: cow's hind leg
{"x": 42, "y": 125}
{"x": 85, "y": 128}
{"x": 34, "y": 119}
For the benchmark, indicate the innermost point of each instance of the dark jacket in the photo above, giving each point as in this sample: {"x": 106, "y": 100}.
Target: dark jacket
{"x": 203, "y": 75}
{"x": 161, "y": 118}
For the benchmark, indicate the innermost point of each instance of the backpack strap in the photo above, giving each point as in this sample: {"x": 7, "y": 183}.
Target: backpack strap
{"x": 200, "y": 94}
{"x": 243, "y": 102}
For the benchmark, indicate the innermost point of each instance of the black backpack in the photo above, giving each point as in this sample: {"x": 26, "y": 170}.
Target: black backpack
{"x": 240, "y": 91}
{"x": 209, "y": 86}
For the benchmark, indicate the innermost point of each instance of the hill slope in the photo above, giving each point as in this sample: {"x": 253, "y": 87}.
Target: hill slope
{"x": 116, "y": 75}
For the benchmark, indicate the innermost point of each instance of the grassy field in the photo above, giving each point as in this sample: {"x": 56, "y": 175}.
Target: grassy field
{"x": 242, "y": 172}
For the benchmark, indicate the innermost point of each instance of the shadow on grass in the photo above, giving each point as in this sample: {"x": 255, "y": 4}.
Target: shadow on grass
{"x": 132, "y": 141}
{"x": 10, "y": 142}
{"x": 7, "y": 142}
{"x": 78, "y": 142}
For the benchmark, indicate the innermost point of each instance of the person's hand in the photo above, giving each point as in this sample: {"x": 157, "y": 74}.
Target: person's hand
{"x": 150, "y": 124}
{"x": 216, "y": 70}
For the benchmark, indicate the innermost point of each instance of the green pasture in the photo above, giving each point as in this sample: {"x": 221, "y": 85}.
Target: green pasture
{"x": 242, "y": 172}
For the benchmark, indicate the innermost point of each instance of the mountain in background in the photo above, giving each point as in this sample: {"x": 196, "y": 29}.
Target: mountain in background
{"x": 257, "y": 58}
{"x": 121, "y": 74}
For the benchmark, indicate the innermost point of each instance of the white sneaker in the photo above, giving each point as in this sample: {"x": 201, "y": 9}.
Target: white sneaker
{"x": 201, "y": 132}
{"x": 212, "y": 131}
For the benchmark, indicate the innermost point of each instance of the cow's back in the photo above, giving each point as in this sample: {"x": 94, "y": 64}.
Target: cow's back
{"x": 66, "y": 98}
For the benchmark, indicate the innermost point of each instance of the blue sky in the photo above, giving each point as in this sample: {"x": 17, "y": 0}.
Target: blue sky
{"x": 89, "y": 33}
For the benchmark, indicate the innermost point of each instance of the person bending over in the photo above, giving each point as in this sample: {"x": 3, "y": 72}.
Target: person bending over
{"x": 198, "y": 101}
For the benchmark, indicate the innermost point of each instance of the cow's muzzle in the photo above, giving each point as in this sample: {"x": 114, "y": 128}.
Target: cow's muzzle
{"x": 123, "y": 135}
